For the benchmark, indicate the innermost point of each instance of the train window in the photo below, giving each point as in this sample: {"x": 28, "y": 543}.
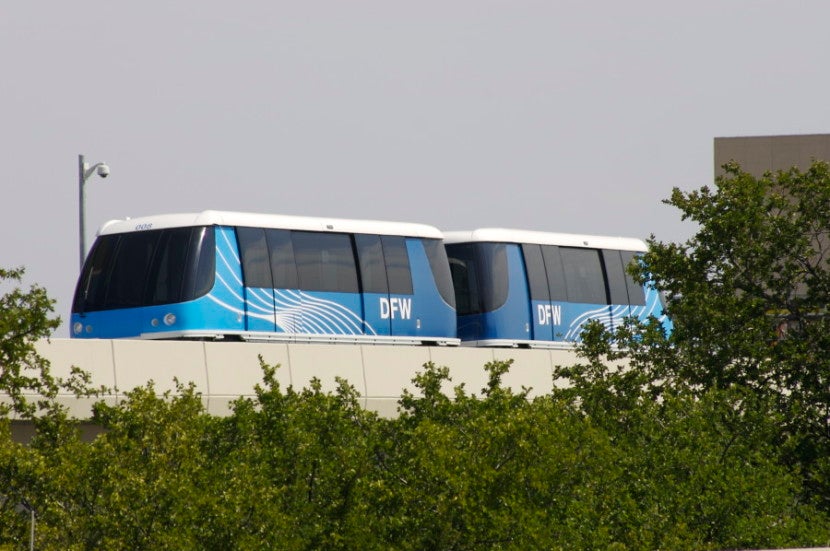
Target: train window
{"x": 462, "y": 260}
{"x": 129, "y": 269}
{"x": 583, "y": 275}
{"x": 492, "y": 258}
{"x": 283, "y": 266}
{"x": 256, "y": 267}
{"x": 556, "y": 273}
{"x": 203, "y": 245}
{"x": 484, "y": 277}
{"x": 537, "y": 277}
{"x": 493, "y": 266}
{"x": 615, "y": 277}
{"x": 92, "y": 285}
{"x": 397, "y": 264}
{"x": 167, "y": 273}
{"x": 145, "y": 268}
{"x": 325, "y": 262}
{"x": 636, "y": 294}
{"x": 372, "y": 268}
{"x": 438, "y": 263}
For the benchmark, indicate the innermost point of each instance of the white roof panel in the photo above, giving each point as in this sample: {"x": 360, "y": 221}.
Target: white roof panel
{"x": 503, "y": 235}
{"x": 225, "y": 218}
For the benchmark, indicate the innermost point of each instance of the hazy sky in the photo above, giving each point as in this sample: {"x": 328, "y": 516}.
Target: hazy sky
{"x": 566, "y": 116}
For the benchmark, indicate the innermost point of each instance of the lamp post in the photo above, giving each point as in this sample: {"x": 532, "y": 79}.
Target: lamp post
{"x": 24, "y": 506}
{"x": 84, "y": 172}
{"x": 31, "y": 510}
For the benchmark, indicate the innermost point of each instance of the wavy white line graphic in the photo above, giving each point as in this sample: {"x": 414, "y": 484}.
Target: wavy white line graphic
{"x": 601, "y": 315}
{"x": 606, "y": 318}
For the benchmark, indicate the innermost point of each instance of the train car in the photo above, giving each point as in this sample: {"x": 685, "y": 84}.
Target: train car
{"x": 538, "y": 290}
{"x": 257, "y": 277}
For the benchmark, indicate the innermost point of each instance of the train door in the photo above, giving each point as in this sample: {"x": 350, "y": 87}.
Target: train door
{"x": 625, "y": 294}
{"x": 615, "y": 278}
{"x": 288, "y": 299}
{"x": 544, "y": 316}
{"x": 258, "y": 285}
{"x": 386, "y": 284}
{"x": 637, "y": 291}
{"x": 587, "y": 297}
{"x": 374, "y": 284}
{"x": 399, "y": 310}
{"x": 331, "y": 302}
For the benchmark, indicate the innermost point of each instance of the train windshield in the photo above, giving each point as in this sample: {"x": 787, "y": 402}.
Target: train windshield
{"x": 479, "y": 275}
{"x": 147, "y": 268}
{"x": 437, "y": 256}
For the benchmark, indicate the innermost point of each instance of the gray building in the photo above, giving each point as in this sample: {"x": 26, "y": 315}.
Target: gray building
{"x": 760, "y": 154}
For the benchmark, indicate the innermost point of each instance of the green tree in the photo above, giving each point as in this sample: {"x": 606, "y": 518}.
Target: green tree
{"x": 296, "y": 466}
{"x": 702, "y": 468}
{"x": 139, "y": 485}
{"x": 25, "y": 317}
{"x": 285, "y": 470}
{"x": 495, "y": 471}
{"x": 749, "y": 293}
{"x": 27, "y": 391}
{"x": 749, "y": 297}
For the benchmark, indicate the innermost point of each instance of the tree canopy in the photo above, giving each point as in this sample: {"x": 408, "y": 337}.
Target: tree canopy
{"x": 748, "y": 296}
{"x": 25, "y": 316}
{"x": 304, "y": 469}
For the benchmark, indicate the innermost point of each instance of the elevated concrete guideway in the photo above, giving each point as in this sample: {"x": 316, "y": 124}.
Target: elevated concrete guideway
{"x": 224, "y": 371}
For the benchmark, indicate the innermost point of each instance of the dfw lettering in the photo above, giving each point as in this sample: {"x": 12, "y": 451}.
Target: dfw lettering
{"x": 400, "y": 308}
{"x": 549, "y": 314}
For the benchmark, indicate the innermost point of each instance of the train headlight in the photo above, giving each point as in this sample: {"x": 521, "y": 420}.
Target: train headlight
{"x": 169, "y": 319}
{"x": 77, "y": 328}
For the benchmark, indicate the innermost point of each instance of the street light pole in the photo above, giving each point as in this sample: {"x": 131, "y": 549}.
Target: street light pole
{"x": 32, "y": 530}
{"x": 27, "y": 507}
{"x": 81, "y": 201}
{"x": 84, "y": 172}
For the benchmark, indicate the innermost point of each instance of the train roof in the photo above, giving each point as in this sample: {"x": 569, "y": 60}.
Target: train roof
{"x": 279, "y": 221}
{"x": 503, "y": 235}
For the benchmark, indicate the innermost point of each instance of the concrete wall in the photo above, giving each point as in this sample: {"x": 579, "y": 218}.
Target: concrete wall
{"x": 224, "y": 371}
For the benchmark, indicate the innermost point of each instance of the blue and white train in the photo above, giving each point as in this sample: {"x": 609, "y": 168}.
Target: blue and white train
{"x": 538, "y": 290}
{"x": 253, "y": 277}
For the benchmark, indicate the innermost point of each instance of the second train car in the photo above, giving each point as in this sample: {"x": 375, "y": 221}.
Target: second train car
{"x": 539, "y": 290}
{"x": 227, "y": 275}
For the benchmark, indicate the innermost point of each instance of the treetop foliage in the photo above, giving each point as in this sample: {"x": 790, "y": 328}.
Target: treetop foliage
{"x": 304, "y": 469}
{"x": 24, "y": 318}
{"x": 748, "y": 299}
